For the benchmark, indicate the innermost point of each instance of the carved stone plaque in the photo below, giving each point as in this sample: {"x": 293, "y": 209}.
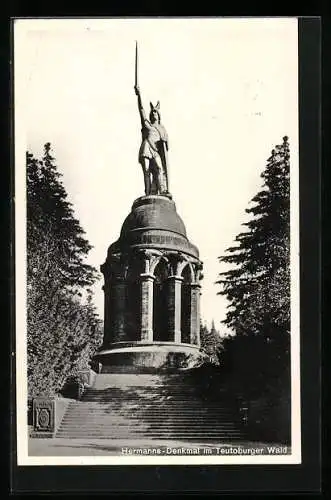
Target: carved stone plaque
{"x": 43, "y": 415}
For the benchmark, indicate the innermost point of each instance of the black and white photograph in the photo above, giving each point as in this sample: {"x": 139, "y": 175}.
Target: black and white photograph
{"x": 157, "y": 241}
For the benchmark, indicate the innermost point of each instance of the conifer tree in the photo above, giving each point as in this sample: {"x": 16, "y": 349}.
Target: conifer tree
{"x": 63, "y": 328}
{"x": 50, "y": 213}
{"x": 211, "y": 342}
{"x": 258, "y": 285}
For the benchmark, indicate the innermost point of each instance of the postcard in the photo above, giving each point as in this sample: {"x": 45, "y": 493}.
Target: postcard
{"x": 157, "y": 241}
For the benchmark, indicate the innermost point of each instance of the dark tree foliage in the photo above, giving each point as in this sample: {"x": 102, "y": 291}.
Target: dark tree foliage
{"x": 63, "y": 327}
{"x": 50, "y": 213}
{"x": 211, "y": 342}
{"x": 257, "y": 285}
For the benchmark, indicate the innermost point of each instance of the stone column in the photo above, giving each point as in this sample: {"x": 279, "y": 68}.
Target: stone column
{"x": 106, "y": 318}
{"x": 174, "y": 307}
{"x": 195, "y": 314}
{"x": 147, "y": 283}
{"x": 116, "y": 313}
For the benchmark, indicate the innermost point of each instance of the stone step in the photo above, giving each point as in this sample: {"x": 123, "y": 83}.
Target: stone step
{"x": 128, "y": 382}
{"x": 114, "y": 433}
{"x": 154, "y": 397}
{"x": 214, "y": 439}
{"x": 189, "y": 387}
{"x": 156, "y": 389}
{"x": 157, "y": 405}
{"x": 157, "y": 395}
{"x": 161, "y": 388}
{"x": 113, "y": 425}
{"x": 162, "y": 409}
{"x": 165, "y": 403}
{"x": 147, "y": 425}
{"x": 151, "y": 416}
{"x": 158, "y": 401}
{"x": 144, "y": 409}
{"x": 154, "y": 418}
{"x": 145, "y": 404}
{"x": 146, "y": 413}
{"x": 144, "y": 378}
{"x": 155, "y": 400}
{"x": 182, "y": 437}
{"x": 164, "y": 386}
{"x": 147, "y": 434}
{"x": 140, "y": 412}
{"x": 123, "y": 380}
{"x": 151, "y": 406}
{"x": 136, "y": 420}
{"x": 148, "y": 422}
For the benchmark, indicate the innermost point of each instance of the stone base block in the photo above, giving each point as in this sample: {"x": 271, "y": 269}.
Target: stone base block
{"x": 156, "y": 357}
{"x": 41, "y": 435}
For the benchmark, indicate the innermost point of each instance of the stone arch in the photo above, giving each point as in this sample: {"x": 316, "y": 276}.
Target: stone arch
{"x": 160, "y": 299}
{"x": 134, "y": 267}
{"x": 161, "y": 269}
{"x": 185, "y": 324}
{"x": 133, "y": 298}
{"x": 174, "y": 259}
{"x": 156, "y": 260}
{"x": 186, "y": 271}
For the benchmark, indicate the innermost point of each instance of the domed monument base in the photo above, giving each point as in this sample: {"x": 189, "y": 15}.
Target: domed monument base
{"x": 152, "y": 293}
{"x": 156, "y": 357}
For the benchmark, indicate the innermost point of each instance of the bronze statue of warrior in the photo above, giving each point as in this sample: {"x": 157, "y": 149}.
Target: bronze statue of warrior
{"x": 154, "y": 147}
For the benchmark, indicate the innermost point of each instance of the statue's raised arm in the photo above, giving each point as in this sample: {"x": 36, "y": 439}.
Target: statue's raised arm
{"x": 140, "y": 106}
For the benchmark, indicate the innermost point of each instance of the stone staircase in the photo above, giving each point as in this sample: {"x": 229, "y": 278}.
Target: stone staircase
{"x": 160, "y": 407}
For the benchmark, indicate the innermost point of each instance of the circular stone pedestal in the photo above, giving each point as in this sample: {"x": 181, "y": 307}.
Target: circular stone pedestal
{"x": 140, "y": 357}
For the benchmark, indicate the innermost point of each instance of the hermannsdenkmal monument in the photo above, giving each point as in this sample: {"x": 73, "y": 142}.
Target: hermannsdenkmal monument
{"x": 152, "y": 272}
{"x": 148, "y": 383}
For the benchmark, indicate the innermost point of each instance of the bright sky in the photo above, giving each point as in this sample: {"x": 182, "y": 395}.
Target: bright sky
{"x": 228, "y": 90}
